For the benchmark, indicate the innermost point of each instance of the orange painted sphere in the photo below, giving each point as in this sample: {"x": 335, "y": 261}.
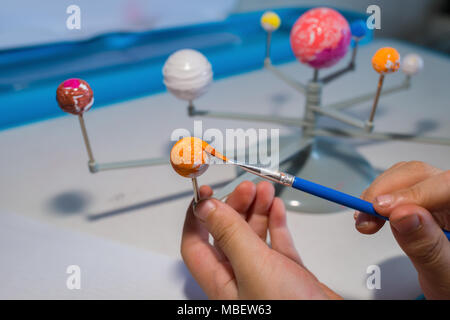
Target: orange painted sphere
{"x": 189, "y": 157}
{"x": 386, "y": 60}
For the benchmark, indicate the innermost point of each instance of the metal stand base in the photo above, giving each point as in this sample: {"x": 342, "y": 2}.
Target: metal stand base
{"x": 330, "y": 163}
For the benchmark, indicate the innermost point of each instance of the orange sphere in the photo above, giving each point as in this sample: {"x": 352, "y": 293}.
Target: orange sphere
{"x": 189, "y": 157}
{"x": 386, "y": 60}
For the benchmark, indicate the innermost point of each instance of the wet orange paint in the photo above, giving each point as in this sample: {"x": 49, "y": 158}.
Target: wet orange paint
{"x": 189, "y": 156}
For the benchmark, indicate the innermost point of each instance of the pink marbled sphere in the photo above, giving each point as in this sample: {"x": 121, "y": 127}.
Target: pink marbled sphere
{"x": 320, "y": 37}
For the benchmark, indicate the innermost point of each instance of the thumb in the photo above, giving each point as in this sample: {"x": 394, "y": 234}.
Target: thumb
{"x": 242, "y": 246}
{"x": 422, "y": 239}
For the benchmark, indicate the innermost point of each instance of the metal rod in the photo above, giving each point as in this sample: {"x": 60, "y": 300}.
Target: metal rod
{"x": 288, "y": 80}
{"x": 354, "y": 51}
{"x": 298, "y": 122}
{"x": 336, "y": 74}
{"x": 191, "y": 108}
{"x": 369, "y": 96}
{"x": 316, "y": 75}
{"x": 268, "y": 42}
{"x": 348, "y": 68}
{"x": 377, "y": 97}
{"x": 381, "y": 136}
{"x": 86, "y": 138}
{"x": 337, "y": 115}
{"x": 129, "y": 164}
{"x": 196, "y": 191}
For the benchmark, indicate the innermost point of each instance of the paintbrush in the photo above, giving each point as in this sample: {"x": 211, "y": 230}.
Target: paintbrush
{"x": 313, "y": 188}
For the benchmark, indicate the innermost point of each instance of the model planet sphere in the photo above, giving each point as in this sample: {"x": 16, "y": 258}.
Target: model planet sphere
{"x": 74, "y": 96}
{"x": 270, "y": 21}
{"x": 189, "y": 158}
{"x": 187, "y": 74}
{"x": 358, "y": 28}
{"x": 411, "y": 64}
{"x": 386, "y": 60}
{"x": 320, "y": 37}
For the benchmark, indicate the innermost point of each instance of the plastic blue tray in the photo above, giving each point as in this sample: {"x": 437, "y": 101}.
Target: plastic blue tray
{"x": 121, "y": 66}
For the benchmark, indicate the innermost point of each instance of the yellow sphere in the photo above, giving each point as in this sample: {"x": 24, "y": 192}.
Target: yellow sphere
{"x": 270, "y": 21}
{"x": 386, "y": 60}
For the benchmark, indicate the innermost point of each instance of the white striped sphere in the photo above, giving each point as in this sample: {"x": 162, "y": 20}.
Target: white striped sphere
{"x": 187, "y": 74}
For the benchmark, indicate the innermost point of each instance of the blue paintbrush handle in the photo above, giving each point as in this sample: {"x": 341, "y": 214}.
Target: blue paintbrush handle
{"x": 339, "y": 197}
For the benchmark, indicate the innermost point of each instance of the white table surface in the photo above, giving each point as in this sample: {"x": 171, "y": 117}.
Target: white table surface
{"x": 46, "y": 186}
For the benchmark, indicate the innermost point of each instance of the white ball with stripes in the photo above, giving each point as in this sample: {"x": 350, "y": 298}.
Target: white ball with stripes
{"x": 187, "y": 74}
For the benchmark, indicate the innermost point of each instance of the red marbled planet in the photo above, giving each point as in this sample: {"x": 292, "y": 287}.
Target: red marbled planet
{"x": 320, "y": 37}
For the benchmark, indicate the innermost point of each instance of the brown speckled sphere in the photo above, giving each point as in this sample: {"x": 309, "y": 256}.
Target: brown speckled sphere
{"x": 74, "y": 96}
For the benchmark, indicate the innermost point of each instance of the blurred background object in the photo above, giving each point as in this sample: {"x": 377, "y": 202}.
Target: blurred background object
{"x": 24, "y": 22}
{"x": 423, "y": 22}
{"x": 37, "y": 22}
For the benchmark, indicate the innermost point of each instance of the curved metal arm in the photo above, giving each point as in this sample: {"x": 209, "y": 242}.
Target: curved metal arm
{"x": 337, "y": 115}
{"x": 369, "y": 96}
{"x": 300, "y": 87}
{"x": 96, "y": 167}
{"x": 86, "y": 138}
{"x": 298, "y": 122}
{"x": 382, "y": 136}
{"x": 348, "y": 68}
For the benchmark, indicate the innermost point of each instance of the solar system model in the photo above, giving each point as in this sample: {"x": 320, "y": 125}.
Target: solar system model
{"x": 320, "y": 38}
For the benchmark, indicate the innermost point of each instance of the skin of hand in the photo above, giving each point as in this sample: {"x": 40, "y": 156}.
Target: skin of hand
{"x": 415, "y": 196}
{"x": 240, "y": 264}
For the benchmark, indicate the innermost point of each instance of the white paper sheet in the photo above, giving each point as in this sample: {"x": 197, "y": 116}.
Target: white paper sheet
{"x": 35, "y": 257}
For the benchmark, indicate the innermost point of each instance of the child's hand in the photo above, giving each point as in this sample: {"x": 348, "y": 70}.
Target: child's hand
{"x": 240, "y": 265}
{"x": 416, "y": 198}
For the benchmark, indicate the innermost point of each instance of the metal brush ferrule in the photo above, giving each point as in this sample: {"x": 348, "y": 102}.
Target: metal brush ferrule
{"x": 286, "y": 179}
{"x": 276, "y": 176}
{"x": 272, "y": 175}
